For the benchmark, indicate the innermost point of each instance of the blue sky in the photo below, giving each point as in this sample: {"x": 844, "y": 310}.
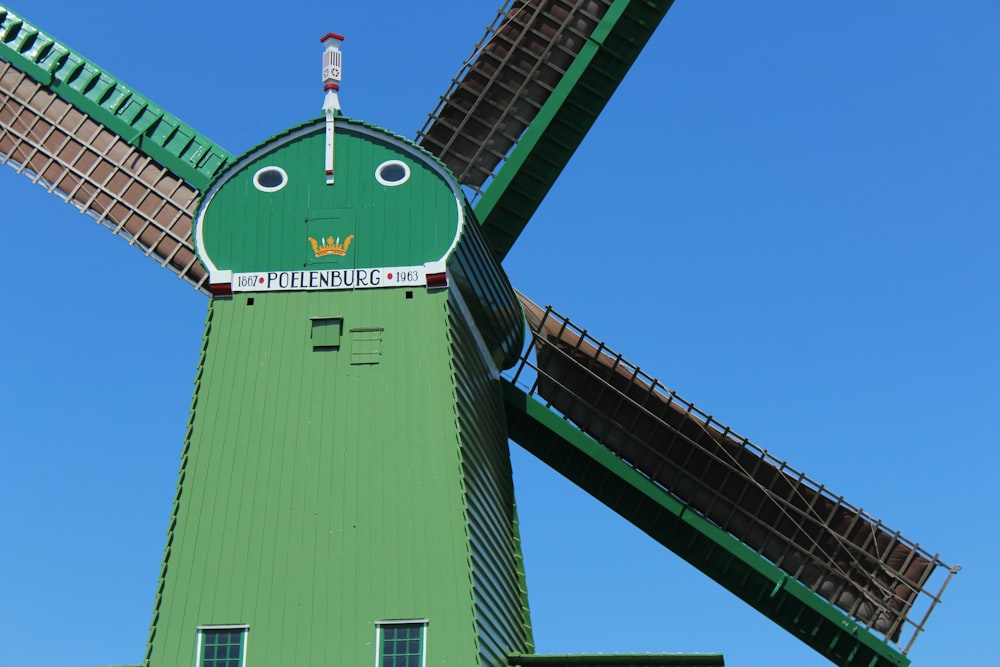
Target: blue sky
{"x": 788, "y": 213}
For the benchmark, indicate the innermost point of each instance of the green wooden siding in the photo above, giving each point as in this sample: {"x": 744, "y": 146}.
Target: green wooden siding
{"x": 318, "y": 496}
{"x": 489, "y": 296}
{"x": 415, "y": 222}
{"x": 497, "y": 570}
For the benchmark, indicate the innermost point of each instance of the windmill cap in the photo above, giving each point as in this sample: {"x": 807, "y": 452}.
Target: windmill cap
{"x": 331, "y": 35}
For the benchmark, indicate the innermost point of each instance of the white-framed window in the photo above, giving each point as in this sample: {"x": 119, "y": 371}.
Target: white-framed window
{"x": 222, "y": 646}
{"x": 270, "y": 179}
{"x": 401, "y": 643}
{"x": 392, "y": 173}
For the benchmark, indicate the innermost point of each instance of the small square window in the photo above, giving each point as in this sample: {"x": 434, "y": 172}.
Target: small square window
{"x": 221, "y": 646}
{"x": 401, "y": 643}
{"x": 325, "y": 333}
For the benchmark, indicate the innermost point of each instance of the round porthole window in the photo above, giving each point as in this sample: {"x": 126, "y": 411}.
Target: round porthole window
{"x": 392, "y": 172}
{"x": 270, "y": 179}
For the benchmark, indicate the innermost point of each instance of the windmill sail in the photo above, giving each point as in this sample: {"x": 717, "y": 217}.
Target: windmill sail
{"x": 102, "y": 147}
{"x": 527, "y": 96}
{"x": 508, "y": 126}
{"x": 835, "y": 550}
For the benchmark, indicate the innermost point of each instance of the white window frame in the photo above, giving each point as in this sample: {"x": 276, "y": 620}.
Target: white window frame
{"x": 246, "y": 640}
{"x": 270, "y": 188}
{"x": 422, "y": 622}
{"x": 392, "y": 163}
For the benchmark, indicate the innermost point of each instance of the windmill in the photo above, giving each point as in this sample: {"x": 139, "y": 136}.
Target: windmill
{"x": 565, "y": 410}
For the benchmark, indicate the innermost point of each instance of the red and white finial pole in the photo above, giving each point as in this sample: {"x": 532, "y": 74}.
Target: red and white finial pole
{"x": 331, "y": 84}
{"x": 331, "y": 69}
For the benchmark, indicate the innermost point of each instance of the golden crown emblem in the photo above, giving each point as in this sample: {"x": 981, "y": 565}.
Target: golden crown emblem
{"x": 329, "y": 246}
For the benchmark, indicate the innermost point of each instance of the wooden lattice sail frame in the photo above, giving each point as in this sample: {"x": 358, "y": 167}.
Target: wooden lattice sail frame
{"x": 840, "y": 554}
{"x": 111, "y": 153}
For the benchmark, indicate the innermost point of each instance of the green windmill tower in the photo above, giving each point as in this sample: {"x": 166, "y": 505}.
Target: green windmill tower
{"x": 367, "y": 477}
{"x": 357, "y": 504}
